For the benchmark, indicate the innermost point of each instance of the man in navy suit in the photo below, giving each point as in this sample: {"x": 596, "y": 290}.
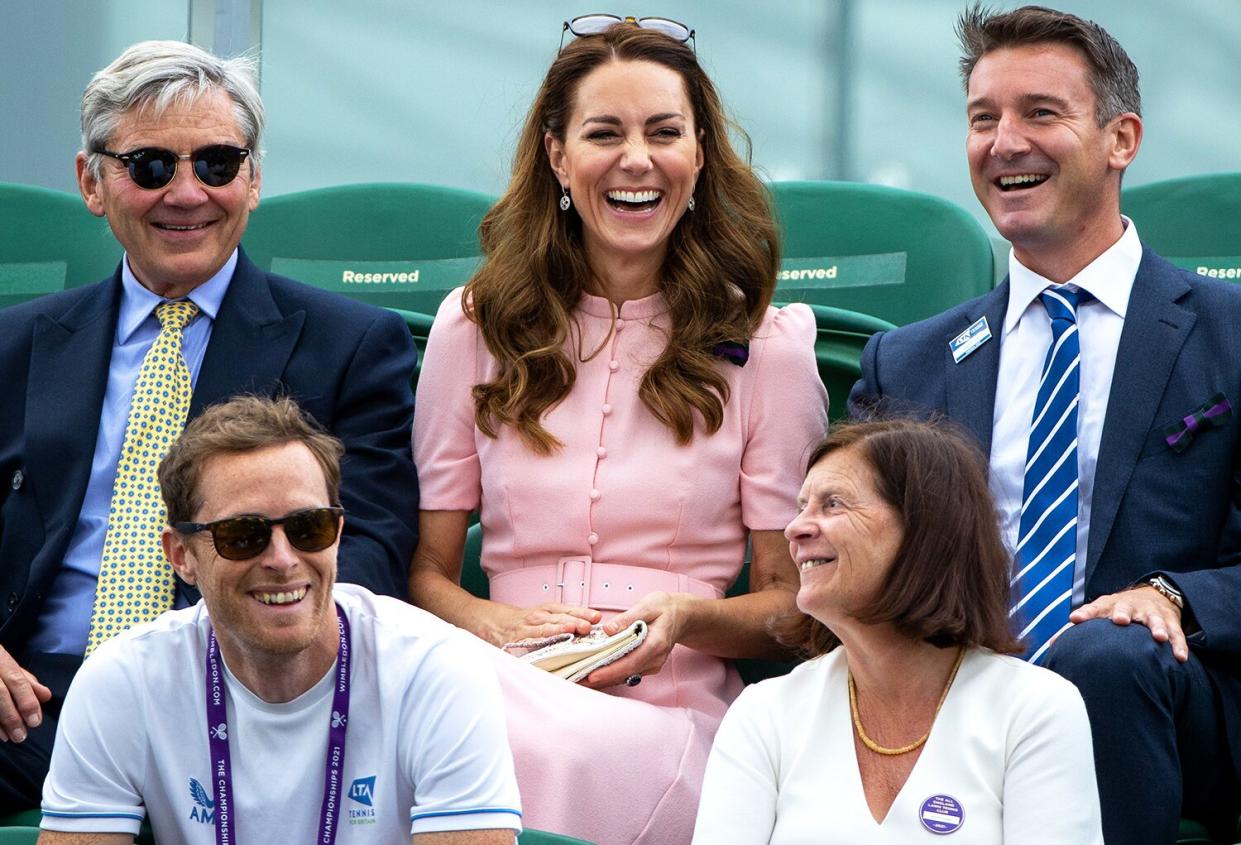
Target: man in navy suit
{"x": 1151, "y": 596}
{"x": 171, "y": 148}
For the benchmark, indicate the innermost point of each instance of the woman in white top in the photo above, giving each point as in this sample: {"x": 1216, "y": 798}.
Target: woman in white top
{"x": 919, "y": 725}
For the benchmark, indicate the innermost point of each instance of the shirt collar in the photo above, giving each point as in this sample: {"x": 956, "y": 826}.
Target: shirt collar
{"x": 138, "y": 303}
{"x": 1109, "y": 278}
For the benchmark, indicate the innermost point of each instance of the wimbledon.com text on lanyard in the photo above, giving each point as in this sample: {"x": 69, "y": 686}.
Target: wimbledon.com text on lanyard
{"x": 217, "y": 736}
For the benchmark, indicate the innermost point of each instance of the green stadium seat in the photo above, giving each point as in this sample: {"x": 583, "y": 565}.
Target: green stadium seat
{"x": 22, "y": 818}
{"x": 473, "y": 578}
{"x": 25, "y": 821}
{"x": 898, "y": 255}
{"x": 1194, "y": 222}
{"x": 541, "y": 837}
{"x": 49, "y": 242}
{"x": 399, "y": 245}
{"x": 838, "y": 350}
{"x": 419, "y": 326}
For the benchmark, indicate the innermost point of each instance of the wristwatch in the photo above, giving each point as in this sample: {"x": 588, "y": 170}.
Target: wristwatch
{"x": 1169, "y": 592}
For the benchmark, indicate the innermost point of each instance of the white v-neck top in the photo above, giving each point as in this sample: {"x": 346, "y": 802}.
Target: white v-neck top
{"x": 1009, "y": 760}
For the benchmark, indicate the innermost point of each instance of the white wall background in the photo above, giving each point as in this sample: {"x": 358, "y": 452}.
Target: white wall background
{"x": 379, "y": 90}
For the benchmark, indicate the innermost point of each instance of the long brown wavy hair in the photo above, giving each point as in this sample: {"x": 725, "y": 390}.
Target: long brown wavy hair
{"x": 717, "y": 278}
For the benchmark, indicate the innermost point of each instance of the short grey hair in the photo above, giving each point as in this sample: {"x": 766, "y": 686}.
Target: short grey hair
{"x": 157, "y": 74}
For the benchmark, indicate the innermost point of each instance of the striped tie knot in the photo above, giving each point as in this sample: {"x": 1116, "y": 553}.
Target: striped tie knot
{"x": 1062, "y": 303}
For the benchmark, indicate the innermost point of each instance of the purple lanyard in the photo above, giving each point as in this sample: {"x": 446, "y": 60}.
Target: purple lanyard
{"x": 217, "y": 736}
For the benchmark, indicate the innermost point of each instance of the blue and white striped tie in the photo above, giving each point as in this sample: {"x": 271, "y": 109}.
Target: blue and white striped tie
{"x": 1047, "y": 536}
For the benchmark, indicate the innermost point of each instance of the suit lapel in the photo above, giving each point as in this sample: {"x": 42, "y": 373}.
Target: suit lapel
{"x": 1155, "y": 330}
{"x": 970, "y": 399}
{"x": 68, "y": 376}
{"x": 251, "y": 341}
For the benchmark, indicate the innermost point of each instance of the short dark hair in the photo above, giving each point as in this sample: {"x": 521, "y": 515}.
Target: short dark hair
{"x": 1113, "y": 76}
{"x": 242, "y": 424}
{"x": 949, "y": 584}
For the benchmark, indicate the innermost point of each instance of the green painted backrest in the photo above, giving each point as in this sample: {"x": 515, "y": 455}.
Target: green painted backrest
{"x": 49, "y": 242}
{"x": 394, "y": 244}
{"x": 895, "y": 254}
{"x": 1194, "y": 222}
{"x": 842, "y": 334}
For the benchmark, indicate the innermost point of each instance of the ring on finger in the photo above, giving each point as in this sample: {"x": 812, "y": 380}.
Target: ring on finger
{"x": 633, "y": 680}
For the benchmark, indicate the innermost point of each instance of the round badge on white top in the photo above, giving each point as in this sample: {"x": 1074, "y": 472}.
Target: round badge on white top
{"x": 941, "y": 814}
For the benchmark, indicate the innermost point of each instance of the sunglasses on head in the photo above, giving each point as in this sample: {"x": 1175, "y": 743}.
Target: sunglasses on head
{"x": 153, "y": 167}
{"x": 244, "y": 537}
{"x": 597, "y": 23}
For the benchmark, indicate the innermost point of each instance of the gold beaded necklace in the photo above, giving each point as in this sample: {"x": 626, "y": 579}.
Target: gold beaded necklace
{"x": 904, "y": 749}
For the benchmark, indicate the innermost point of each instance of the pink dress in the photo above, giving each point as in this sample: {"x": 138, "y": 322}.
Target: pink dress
{"x": 621, "y": 510}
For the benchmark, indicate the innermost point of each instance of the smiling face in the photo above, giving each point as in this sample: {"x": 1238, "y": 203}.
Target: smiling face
{"x": 278, "y": 603}
{"x": 178, "y": 236}
{"x": 1047, "y": 173}
{"x": 844, "y": 538}
{"x": 630, "y": 158}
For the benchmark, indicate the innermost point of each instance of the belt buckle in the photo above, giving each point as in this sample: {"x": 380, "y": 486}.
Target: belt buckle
{"x": 573, "y": 580}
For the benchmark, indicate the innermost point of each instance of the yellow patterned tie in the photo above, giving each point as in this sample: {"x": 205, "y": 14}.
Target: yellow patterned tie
{"x": 135, "y": 579}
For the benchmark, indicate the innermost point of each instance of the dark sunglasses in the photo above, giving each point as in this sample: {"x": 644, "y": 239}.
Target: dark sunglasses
{"x": 153, "y": 167}
{"x": 597, "y": 23}
{"x": 244, "y": 537}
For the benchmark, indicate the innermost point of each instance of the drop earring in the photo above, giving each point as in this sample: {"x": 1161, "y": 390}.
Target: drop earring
{"x": 565, "y": 202}
{"x": 690, "y": 205}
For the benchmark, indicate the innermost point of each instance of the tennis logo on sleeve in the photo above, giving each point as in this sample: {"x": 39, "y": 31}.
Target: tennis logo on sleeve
{"x": 362, "y": 791}
{"x": 203, "y": 809}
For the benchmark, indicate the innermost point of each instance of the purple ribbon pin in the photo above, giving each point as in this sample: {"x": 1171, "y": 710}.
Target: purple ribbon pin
{"x": 1214, "y": 413}
{"x": 735, "y": 353}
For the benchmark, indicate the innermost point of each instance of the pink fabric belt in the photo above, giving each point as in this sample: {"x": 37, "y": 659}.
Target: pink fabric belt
{"x": 580, "y": 581}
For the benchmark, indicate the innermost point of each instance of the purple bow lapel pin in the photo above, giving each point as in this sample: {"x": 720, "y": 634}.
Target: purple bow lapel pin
{"x": 734, "y": 353}
{"x": 1214, "y": 413}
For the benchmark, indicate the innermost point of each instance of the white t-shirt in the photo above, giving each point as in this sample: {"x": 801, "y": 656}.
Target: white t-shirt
{"x": 1008, "y": 761}
{"x": 426, "y": 750}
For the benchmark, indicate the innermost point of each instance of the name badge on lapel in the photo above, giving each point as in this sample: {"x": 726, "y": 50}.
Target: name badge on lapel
{"x": 964, "y": 344}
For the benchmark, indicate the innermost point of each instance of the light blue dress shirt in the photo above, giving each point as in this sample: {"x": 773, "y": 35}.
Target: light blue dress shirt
{"x": 64, "y": 621}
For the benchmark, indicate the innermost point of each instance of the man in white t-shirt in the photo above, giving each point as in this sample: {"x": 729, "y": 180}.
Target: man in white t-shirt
{"x": 281, "y": 708}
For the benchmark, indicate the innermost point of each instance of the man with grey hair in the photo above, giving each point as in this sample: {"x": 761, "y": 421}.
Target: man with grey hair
{"x": 1099, "y": 378}
{"x": 100, "y": 380}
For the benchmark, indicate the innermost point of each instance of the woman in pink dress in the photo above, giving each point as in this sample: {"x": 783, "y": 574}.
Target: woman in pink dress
{"x": 616, "y": 396}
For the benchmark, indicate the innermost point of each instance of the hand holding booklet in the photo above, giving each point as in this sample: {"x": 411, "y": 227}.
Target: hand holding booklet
{"x": 573, "y": 658}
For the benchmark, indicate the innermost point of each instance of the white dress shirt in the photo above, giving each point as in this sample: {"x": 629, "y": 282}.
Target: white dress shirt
{"x": 1023, "y": 348}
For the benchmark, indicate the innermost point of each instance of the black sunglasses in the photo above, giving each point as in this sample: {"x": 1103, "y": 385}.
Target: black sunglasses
{"x": 597, "y": 23}
{"x": 244, "y": 537}
{"x": 153, "y": 167}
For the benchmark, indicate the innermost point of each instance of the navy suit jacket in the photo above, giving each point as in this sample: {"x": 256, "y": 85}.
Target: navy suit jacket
{"x": 1153, "y": 509}
{"x": 346, "y": 363}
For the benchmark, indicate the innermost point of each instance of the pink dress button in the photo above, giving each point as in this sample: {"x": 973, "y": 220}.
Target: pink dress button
{"x": 620, "y": 324}
{"x": 593, "y": 538}
{"x": 602, "y": 451}
{"x": 613, "y": 365}
{"x": 607, "y": 409}
{"x": 594, "y": 495}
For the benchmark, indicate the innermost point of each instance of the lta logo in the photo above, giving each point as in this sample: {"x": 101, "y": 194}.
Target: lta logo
{"x": 363, "y": 791}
